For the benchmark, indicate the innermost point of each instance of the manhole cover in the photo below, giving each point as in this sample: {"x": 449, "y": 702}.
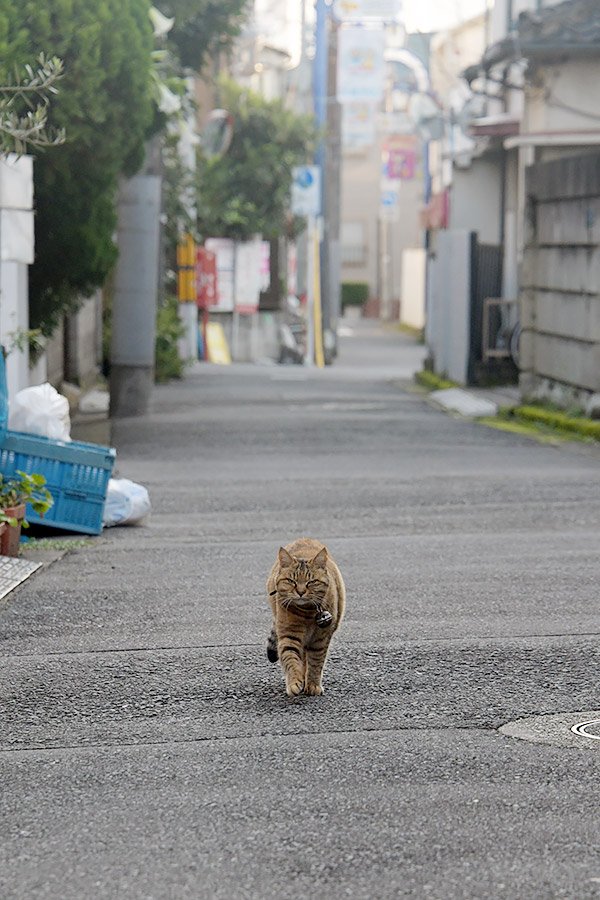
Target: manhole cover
{"x": 13, "y": 571}
{"x": 588, "y": 729}
{"x": 576, "y": 729}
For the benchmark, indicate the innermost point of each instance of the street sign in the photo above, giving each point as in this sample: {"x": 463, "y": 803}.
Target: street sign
{"x": 389, "y": 209}
{"x": 306, "y": 190}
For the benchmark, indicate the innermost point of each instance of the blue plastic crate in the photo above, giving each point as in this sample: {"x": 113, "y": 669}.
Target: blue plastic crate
{"x": 76, "y": 475}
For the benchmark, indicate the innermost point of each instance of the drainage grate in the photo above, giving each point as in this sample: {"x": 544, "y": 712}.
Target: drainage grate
{"x": 13, "y": 571}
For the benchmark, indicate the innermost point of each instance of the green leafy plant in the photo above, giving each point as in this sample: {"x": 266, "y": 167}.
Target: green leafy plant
{"x": 21, "y": 338}
{"x": 23, "y": 488}
{"x": 24, "y": 104}
{"x": 354, "y": 293}
{"x": 105, "y": 107}
{"x": 247, "y": 190}
{"x": 169, "y": 329}
{"x": 203, "y": 28}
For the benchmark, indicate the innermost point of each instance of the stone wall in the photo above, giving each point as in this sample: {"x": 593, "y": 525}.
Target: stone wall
{"x": 560, "y": 281}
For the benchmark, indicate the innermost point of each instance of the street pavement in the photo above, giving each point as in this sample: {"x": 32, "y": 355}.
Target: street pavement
{"x": 147, "y": 748}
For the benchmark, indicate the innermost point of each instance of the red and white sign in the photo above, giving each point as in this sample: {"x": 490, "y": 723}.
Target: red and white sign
{"x": 224, "y": 249}
{"x": 206, "y": 278}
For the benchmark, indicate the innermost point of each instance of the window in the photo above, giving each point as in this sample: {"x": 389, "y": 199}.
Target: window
{"x": 353, "y": 243}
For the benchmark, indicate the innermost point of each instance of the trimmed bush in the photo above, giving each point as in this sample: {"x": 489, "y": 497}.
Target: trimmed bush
{"x": 354, "y": 293}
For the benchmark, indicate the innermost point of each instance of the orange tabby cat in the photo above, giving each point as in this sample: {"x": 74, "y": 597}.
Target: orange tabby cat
{"x": 307, "y": 597}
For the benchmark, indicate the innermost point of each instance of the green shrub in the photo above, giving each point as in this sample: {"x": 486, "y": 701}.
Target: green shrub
{"x": 354, "y": 293}
{"x": 169, "y": 329}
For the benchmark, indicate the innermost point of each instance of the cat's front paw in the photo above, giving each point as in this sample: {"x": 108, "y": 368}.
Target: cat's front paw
{"x": 314, "y": 689}
{"x": 293, "y": 687}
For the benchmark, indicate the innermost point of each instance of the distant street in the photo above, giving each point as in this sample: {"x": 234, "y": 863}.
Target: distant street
{"x": 147, "y": 748}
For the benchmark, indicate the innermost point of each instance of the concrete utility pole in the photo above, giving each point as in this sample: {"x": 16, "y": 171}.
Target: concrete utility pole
{"x": 136, "y": 290}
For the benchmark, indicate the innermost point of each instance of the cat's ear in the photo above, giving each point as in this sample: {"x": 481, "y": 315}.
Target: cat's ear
{"x": 285, "y": 559}
{"x": 320, "y": 560}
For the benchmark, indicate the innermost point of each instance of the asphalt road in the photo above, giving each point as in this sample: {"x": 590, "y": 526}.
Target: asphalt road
{"x": 147, "y": 748}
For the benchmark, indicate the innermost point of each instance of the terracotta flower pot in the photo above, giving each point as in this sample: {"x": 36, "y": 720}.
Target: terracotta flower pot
{"x": 9, "y": 540}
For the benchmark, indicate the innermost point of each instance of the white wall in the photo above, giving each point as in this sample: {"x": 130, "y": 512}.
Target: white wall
{"x": 475, "y": 201}
{"x": 16, "y": 253}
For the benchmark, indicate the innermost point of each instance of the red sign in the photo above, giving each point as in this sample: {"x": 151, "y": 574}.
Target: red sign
{"x": 206, "y": 278}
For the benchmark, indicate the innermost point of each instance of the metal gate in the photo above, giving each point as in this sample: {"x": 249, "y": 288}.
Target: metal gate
{"x": 486, "y": 283}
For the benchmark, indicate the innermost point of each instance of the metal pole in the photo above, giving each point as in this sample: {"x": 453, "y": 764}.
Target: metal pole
{"x": 320, "y": 78}
{"x": 320, "y": 65}
{"x": 310, "y": 292}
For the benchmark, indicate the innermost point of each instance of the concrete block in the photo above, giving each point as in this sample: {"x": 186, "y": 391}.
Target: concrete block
{"x": 568, "y": 361}
{"x": 569, "y": 222}
{"x": 463, "y": 402}
{"x": 575, "y": 176}
{"x": 568, "y": 315}
{"x": 592, "y": 407}
{"x": 567, "y": 269}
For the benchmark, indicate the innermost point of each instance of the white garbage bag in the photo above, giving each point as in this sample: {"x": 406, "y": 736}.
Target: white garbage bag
{"x": 41, "y": 410}
{"x": 127, "y": 503}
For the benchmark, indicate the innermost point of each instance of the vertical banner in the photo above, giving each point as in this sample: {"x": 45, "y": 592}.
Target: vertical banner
{"x": 359, "y": 123}
{"x": 360, "y": 64}
{"x": 224, "y": 250}
{"x": 206, "y": 278}
{"x": 400, "y": 156}
{"x": 186, "y": 269}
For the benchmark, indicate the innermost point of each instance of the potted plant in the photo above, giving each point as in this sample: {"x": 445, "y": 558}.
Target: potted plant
{"x": 16, "y": 491}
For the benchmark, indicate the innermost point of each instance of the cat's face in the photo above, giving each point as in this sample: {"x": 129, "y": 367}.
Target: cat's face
{"x": 302, "y": 582}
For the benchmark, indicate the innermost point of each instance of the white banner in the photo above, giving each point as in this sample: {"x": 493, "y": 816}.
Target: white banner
{"x": 360, "y": 64}
{"x": 359, "y": 124}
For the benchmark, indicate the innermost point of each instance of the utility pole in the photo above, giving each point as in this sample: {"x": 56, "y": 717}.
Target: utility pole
{"x": 328, "y": 159}
{"x": 136, "y": 289}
